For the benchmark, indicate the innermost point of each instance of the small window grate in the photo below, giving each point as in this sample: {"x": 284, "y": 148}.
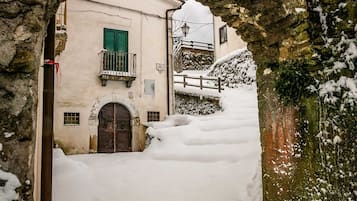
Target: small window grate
{"x": 153, "y": 116}
{"x": 71, "y": 118}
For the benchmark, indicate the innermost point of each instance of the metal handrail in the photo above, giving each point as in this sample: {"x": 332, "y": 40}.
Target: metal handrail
{"x": 177, "y": 47}
{"x": 192, "y": 44}
{"x": 197, "y": 45}
{"x": 118, "y": 63}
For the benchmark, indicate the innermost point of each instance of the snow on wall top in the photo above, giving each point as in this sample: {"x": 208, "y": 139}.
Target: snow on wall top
{"x": 235, "y": 69}
{"x": 7, "y": 192}
{"x": 148, "y": 5}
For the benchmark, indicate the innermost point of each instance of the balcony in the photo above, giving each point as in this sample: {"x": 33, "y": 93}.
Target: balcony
{"x": 117, "y": 66}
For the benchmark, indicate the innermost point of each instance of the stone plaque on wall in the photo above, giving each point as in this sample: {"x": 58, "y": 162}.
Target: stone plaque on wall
{"x": 149, "y": 87}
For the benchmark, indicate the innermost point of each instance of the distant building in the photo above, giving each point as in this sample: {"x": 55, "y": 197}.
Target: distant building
{"x": 115, "y": 74}
{"x": 226, "y": 38}
{"x": 192, "y": 55}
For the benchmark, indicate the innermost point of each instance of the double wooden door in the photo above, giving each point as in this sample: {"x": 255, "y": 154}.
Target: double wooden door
{"x": 114, "y": 130}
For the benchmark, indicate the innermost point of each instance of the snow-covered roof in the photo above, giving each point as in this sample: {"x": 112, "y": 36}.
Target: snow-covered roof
{"x": 130, "y": 3}
{"x": 175, "y": 2}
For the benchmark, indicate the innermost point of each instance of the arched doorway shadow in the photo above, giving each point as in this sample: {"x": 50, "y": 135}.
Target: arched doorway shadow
{"x": 114, "y": 129}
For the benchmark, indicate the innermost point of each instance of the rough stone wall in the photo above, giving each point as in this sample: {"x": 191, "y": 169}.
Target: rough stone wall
{"x": 306, "y": 77}
{"x": 23, "y": 25}
{"x": 193, "y": 59}
{"x": 333, "y": 35}
{"x": 192, "y": 104}
{"x": 236, "y": 71}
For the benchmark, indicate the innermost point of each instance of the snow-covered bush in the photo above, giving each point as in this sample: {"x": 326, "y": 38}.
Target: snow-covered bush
{"x": 235, "y": 69}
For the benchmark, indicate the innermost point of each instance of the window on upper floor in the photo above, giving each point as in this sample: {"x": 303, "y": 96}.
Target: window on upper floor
{"x": 223, "y": 34}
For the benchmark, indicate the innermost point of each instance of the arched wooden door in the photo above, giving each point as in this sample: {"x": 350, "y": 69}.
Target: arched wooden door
{"x": 114, "y": 130}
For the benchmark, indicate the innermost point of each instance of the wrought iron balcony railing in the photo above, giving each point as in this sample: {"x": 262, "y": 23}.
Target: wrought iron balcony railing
{"x": 117, "y": 66}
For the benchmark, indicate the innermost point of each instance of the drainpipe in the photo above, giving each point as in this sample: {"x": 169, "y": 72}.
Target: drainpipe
{"x": 214, "y": 39}
{"x": 168, "y": 53}
{"x": 48, "y": 101}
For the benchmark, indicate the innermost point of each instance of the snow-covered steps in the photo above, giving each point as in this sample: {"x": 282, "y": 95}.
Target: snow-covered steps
{"x": 210, "y": 158}
{"x": 226, "y": 136}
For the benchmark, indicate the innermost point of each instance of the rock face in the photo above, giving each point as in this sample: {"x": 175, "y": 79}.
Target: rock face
{"x": 22, "y": 29}
{"x": 306, "y": 55}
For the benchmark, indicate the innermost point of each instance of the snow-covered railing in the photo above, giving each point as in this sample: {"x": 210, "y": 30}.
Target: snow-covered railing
{"x": 117, "y": 66}
{"x": 120, "y": 63}
{"x": 201, "y": 84}
{"x": 177, "y": 47}
{"x": 197, "y": 45}
{"x": 193, "y": 45}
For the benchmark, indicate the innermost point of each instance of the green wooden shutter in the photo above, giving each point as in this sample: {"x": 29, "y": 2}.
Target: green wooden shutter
{"x": 122, "y": 41}
{"x": 109, "y": 39}
{"x": 116, "y": 40}
{"x": 121, "y": 45}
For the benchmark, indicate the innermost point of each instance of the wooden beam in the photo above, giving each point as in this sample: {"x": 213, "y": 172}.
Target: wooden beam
{"x": 65, "y": 13}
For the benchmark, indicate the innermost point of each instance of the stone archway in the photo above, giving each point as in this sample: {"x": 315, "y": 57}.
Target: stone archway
{"x": 294, "y": 43}
{"x": 301, "y": 48}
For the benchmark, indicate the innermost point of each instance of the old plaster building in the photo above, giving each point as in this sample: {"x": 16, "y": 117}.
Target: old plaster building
{"x": 226, "y": 40}
{"x": 115, "y": 74}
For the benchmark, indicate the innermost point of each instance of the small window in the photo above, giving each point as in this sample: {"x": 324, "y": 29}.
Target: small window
{"x": 71, "y": 118}
{"x": 223, "y": 34}
{"x": 153, "y": 116}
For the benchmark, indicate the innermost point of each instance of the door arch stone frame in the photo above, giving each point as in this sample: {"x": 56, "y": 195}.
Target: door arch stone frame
{"x": 93, "y": 121}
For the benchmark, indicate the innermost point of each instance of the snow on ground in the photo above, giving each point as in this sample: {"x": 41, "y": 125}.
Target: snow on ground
{"x": 210, "y": 158}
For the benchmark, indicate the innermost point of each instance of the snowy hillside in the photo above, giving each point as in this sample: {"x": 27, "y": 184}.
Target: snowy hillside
{"x": 235, "y": 69}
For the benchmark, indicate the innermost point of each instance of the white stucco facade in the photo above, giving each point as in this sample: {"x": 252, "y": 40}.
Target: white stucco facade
{"x": 78, "y": 88}
{"x": 233, "y": 42}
